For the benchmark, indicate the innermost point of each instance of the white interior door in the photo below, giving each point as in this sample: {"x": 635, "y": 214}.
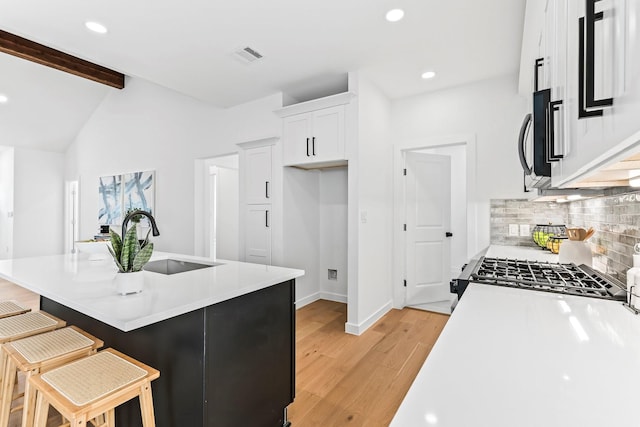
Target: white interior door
{"x": 428, "y": 216}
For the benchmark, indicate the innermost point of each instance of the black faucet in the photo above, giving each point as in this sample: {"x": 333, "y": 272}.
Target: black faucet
{"x": 125, "y": 221}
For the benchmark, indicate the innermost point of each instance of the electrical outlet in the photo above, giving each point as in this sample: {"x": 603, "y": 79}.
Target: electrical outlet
{"x": 333, "y": 274}
{"x": 524, "y": 230}
{"x": 513, "y": 229}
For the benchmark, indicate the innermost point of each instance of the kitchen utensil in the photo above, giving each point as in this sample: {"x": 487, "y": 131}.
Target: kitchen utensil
{"x": 576, "y": 233}
{"x": 589, "y": 233}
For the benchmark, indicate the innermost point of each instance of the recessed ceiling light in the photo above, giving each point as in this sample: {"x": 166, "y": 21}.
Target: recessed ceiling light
{"x": 3, "y": 99}
{"x": 96, "y": 27}
{"x": 428, "y": 74}
{"x": 394, "y": 15}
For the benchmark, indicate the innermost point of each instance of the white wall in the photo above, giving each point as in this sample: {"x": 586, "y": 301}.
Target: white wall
{"x": 301, "y": 219}
{"x": 148, "y": 127}
{"x": 38, "y": 203}
{"x": 6, "y": 202}
{"x": 333, "y": 233}
{"x": 370, "y": 208}
{"x": 315, "y": 231}
{"x": 490, "y": 110}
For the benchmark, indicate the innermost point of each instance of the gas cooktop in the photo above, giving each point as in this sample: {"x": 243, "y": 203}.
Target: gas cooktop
{"x": 541, "y": 276}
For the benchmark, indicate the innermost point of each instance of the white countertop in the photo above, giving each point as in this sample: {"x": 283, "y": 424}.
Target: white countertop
{"x": 511, "y": 357}
{"x": 86, "y": 286}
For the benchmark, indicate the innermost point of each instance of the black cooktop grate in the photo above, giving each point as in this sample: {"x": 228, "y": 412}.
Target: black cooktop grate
{"x": 551, "y": 277}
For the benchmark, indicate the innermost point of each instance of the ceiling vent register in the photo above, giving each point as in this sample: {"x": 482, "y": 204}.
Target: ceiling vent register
{"x": 248, "y": 55}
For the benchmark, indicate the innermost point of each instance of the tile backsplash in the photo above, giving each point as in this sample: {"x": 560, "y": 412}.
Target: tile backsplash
{"x": 616, "y": 219}
{"x": 522, "y": 212}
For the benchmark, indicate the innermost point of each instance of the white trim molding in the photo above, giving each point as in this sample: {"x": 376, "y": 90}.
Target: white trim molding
{"x": 358, "y": 329}
{"x": 315, "y": 104}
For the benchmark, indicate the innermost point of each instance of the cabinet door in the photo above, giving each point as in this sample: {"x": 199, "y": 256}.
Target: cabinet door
{"x": 258, "y": 175}
{"x": 258, "y": 234}
{"x": 297, "y": 139}
{"x": 327, "y": 143}
{"x": 593, "y": 140}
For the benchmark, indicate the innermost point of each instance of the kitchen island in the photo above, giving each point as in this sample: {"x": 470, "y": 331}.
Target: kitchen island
{"x": 511, "y": 357}
{"x": 222, "y": 337}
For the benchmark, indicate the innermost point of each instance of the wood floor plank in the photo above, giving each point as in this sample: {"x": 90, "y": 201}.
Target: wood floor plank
{"x": 347, "y": 380}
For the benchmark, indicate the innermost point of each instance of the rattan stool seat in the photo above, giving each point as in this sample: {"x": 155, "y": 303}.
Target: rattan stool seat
{"x": 24, "y": 325}
{"x": 94, "y": 386}
{"x": 11, "y": 308}
{"x": 36, "y": 354}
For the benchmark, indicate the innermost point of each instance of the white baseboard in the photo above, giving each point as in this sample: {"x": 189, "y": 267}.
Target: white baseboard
{"x": 358, "y": 329}
{"x": 307, "y": 300}
{"x": 330, "y": 296}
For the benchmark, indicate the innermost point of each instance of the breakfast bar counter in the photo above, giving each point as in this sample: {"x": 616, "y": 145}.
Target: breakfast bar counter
{"x": 223, "y": 337}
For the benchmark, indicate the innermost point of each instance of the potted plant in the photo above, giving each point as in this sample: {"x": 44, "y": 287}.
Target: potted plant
{"x": 130, "y": 256}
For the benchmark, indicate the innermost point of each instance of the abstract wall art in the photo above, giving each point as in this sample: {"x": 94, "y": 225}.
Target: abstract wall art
{"x": 119, "y": 194}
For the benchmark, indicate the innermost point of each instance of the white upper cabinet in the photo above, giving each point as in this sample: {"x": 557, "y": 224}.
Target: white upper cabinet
{"x": 601, "y": 100}
{"x": 314, "y": 132}
{"x": 257, "y": 173}
{"x": 313, "y": 137}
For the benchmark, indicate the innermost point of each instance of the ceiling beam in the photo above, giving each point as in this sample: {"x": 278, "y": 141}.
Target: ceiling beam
{"x": 35, "y": 52}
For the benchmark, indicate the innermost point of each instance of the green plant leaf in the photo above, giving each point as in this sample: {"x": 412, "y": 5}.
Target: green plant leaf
{"x": 130, "y": 248}
{"x": 116, "y": 244}
{"x": 142, "y": 257}
{"x": 115, "y": 259}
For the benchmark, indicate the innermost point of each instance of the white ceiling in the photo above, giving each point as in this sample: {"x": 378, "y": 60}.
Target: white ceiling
{"x": 308, "y": 46}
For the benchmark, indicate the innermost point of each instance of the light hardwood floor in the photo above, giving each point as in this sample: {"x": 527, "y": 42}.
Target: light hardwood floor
{"x": 341, "y": 379}
{"x": 347, "y": 380}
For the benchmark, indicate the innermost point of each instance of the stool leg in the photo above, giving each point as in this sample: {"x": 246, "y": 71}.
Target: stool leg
{"x": 146, "y": 405}
{"x": 3, "y": 360}
{"x": 110, "y": 418}
{"x": 29, "y": 404}
{"x": 6, "y": 391}
{"x": 41, "y": 412}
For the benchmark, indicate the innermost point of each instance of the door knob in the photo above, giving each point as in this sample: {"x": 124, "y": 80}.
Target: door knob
{"x": 448, "y": 234}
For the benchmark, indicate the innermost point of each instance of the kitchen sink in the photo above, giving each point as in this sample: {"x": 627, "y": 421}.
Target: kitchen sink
{"x": 173, "y": 266}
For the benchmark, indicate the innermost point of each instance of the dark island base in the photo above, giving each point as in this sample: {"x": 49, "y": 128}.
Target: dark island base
{"x": 229, "y": 364}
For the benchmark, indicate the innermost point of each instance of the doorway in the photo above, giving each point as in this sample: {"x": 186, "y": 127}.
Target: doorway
{"x": 428, "y": 224}
{"x": 430, "y": 287}
{"x": 71, "y": 225}
{"x": 6, "y": 202}
{"x": 221, "y": 207}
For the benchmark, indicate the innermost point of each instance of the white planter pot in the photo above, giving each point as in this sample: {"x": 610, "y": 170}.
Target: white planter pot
{"x": 129, "y": 283}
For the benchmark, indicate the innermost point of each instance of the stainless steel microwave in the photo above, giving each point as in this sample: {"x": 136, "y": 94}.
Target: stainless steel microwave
{"x": 533, "y": 142}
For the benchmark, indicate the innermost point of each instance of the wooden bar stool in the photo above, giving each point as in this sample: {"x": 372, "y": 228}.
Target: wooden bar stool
{"x": 94, "y": 386}
{"x": 37, "y": 354}
{"x": 22, "y": 326}
{"x": 11, "y": 308}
